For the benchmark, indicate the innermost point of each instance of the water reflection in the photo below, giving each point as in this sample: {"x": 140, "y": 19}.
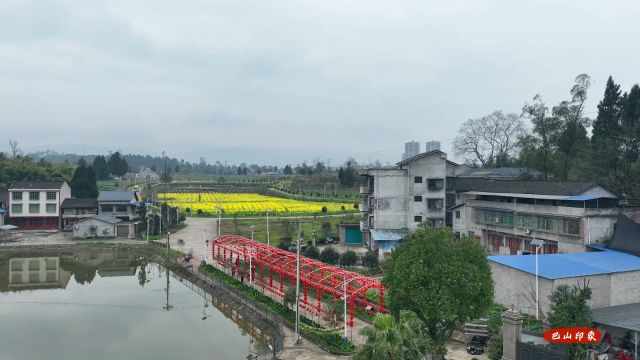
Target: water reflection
{"x": 110, "y": 305}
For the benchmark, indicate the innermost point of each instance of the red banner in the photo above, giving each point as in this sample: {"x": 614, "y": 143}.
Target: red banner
{"x": 573, "y": 335}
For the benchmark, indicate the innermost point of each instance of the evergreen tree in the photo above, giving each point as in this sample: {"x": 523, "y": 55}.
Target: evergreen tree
{"x": 117, "y": 165}
{"x": 606, "y": 131}
{"x": 83, "y": 184}
{"x": 101, "y": 167}
{"x": 287, "y": 170}
{"x": 629, "y": 143}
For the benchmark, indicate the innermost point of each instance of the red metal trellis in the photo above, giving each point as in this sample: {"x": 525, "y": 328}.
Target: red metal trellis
{"x": 322, "y": 278}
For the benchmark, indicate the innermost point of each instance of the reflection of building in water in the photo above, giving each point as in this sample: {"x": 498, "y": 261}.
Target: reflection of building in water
{"x": 37, "y": 273}
{"x": 246, "y": 323}
{"x": 107, "y": 263}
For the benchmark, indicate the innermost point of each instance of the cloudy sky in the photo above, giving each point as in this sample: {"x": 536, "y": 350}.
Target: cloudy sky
{"x": 270, "y": 81}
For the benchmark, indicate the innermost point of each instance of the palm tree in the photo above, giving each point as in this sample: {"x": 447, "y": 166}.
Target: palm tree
{"x": 389, "y": 339}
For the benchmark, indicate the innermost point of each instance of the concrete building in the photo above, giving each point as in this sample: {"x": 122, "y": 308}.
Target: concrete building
{"x": 505, "y": 215}
{"x": 75, "y": 210}
{"x": 432, "y": 146}
{"x": 121, "y": 205}
{"x": 411, "y": 148}
{"x": 613, "y": 276}
{"x": 98, "y": 226}
{"x": 35, "y": 205}
{"x": 397, "y": 199}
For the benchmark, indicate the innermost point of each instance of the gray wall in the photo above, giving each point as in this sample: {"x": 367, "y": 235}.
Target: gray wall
{"x": 83, "y": 229}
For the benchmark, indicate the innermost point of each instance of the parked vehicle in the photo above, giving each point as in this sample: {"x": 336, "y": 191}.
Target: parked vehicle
{"x": 476, "y": 346}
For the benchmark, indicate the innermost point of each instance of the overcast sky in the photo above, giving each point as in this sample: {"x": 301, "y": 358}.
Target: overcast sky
{"x": 269, "y": 81}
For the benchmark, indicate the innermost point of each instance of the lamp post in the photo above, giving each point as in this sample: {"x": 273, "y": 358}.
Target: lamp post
{"x": 148, "y": 218}
{"x": 168, "y": 234}
{"x": 268, "y": 242}
{"x": 537, "y": 243}
{"x": 250, "y": 257}
{"x": 206, "y": 249}
{"x": 344, "y": 289}
{"x": 298, "y": 337}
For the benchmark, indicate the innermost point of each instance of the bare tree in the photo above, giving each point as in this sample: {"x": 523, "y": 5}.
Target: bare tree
{"x": 491, "y": 140}
{"x": 15, "y": 150}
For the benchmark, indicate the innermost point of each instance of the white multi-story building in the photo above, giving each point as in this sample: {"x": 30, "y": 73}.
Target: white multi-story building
{"x": 397, "y": 199}
{"x": 411, "y": 148}
{"x": 506, "y": 215}
{"x": 431, "y": 146}
{"x": 35, "y": 205}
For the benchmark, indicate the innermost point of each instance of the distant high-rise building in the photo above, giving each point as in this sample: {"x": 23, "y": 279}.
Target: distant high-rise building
{"x": 411, "y": 148}
{"x": 432, "y": 145}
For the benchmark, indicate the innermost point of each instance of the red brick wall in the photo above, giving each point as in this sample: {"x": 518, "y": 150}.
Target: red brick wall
{"x": 35, "y": 223}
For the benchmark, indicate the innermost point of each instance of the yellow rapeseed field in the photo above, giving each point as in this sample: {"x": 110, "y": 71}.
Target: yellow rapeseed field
{"x": 248, "y": 204}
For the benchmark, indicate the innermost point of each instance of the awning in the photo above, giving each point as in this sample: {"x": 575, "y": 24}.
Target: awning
{"x": 8, "y": 227}
{"x": 620, "y": 316}
{"x": 581, "y": 198}
{"x": 2, "y": 211}
{"x": 387, "y": 235}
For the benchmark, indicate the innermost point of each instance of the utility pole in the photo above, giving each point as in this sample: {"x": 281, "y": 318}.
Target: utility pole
{"x": 298, "y": 338}
{"x": 268, "y": 242}
{"x": 167, "y": 307}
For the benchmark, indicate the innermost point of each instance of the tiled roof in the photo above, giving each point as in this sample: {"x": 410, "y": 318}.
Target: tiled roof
{"x": 387, "y": 235}
{"x": 620, "y": 316}
{"x": 424, "y": 155}
{"x": 79, "y": 203}
{"x": 37, "y": 185}
{"x": 567, "y": 188}
{"x": 502, "y": 171}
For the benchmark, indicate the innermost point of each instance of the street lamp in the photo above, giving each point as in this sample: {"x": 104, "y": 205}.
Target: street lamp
{"x": 344, "y": 289}
{"x": 148, "y": 218}
{"x": 251, "y": 249}
{"x": 268, "y": 242}
{"x": 206, "y": 249}
{"x": 538, "y": 244}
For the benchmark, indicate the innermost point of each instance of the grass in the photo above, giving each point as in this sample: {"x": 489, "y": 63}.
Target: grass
{"x": 108, "y": 185}
{"x": 280, "y": 227}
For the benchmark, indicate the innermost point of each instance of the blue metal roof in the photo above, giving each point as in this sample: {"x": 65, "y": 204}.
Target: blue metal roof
{"x": 2, "y": 211}
{"x": 581, "y": 198}
{"x": 387, "y": 235}
{"x": 560, "y": 266}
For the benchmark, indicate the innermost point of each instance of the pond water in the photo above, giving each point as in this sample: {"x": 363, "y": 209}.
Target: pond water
{"x": 90, "y": 305}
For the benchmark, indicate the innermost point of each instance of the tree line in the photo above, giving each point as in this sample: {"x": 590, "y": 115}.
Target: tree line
{"x": 556, "y": 143}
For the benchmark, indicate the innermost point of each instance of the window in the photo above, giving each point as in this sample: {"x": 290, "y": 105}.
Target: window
{"x": 417, "y": 198}
{"x": 417, "y": 218}
{"x": 435, "y": 204}
{"x": 371, "y": 223}
{"x": 16, "y": 278}
{"x": 16, "y": 208}
{"x": 34, "y": 196}
{"x": 572, "y": 227}
{"x": 52, "y": 264}
{"x": 51, "y": 195}
{"x": 545, "y": 224}
{"x": 435, "y": 184}
{"x": 51, "y": 277}
{"x": 121, "y": 208}
{"x": 417, "y": 180}
{"x": 16, "y": 266}
{"x": 526, "y": 222}
{"x": 34, "y": 277}
{"x": 34, "y": 265}
{"x": 16, "y": 195}
{"x": 51, "y": 208}
{"x": 34, "y": 208}
{"x": 494, "y": 217}
{"x": 451, "y": 199}
{"x": 93, "y": 229}
{"x": 458, "y": 214}
{"x": 106, "y": 208}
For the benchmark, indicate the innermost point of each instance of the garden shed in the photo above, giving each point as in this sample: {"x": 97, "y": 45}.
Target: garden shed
{"x": 96, "y": 226}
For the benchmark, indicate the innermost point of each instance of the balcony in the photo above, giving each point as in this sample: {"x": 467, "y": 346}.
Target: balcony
{"x": 365, "y": 190}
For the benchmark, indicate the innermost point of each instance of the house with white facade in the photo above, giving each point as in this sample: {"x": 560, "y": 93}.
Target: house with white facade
{"x": 35, "y": 205}
{"x": 506, "y": 215}
{"x": 397, "y": 199}
{"x": 75, "y": 210}
{"x": 121, "y": 205}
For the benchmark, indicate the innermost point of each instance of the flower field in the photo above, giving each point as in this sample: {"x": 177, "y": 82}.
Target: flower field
{"x": 245, "y": 204}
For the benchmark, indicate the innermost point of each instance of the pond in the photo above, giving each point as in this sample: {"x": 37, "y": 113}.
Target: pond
{"x": 107, "y": 305}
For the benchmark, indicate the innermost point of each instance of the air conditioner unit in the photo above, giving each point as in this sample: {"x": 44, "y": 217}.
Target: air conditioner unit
{"x": 497, "y": 219}
{"x": 527, "y": 231}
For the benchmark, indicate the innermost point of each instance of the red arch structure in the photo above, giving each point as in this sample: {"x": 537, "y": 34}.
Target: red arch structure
{"x": 279, "y": 267}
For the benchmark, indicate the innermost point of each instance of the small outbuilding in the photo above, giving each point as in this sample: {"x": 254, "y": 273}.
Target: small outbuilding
{"x": 99, "y": 226}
